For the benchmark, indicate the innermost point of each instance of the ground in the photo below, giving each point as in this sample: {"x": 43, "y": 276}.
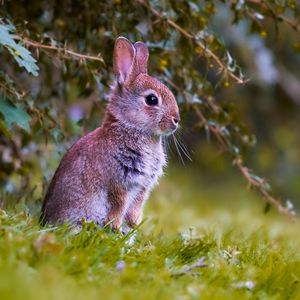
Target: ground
{"x": 198, "y": 241}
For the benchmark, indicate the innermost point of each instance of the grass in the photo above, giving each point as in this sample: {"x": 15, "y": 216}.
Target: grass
{"x": 198, "y": 242}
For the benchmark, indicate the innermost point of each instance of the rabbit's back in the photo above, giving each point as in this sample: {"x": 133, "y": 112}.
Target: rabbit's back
{"x": 76, "y": 190}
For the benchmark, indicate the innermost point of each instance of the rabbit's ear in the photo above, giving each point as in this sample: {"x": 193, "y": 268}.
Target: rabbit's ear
{"x": 141, "y": 58}
{"x": 124, "y": 57}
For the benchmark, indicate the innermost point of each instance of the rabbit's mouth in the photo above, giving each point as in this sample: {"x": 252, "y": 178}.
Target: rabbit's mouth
{"x": 170, "y": 132}
{"x": 168, "y": 127}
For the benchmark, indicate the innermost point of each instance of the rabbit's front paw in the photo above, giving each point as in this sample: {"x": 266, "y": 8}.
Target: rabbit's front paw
{"x": 114, "y": 223}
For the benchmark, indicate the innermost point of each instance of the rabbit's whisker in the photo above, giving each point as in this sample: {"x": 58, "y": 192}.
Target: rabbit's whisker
{"x": 184, "y": 149}
{"x": 168, "y": 146}
{"x": 178, "y": 151}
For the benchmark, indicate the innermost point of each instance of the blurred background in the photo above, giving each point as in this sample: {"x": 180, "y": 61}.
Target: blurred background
{"x": 237, "y": 62}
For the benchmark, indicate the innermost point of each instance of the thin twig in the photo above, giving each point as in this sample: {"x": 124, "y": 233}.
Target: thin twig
{"x": 294, "y": 24}
{"x": 66, "y": 52}
{"x": 259, "y": 184}
{"x": 237, "y": 161}
{"x": 213, "y": 129}
{"x": 191, "y": 37}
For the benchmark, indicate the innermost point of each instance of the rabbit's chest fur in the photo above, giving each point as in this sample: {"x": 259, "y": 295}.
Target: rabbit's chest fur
{"x": 137, "y": 160}
{"x": 140, "y": 167}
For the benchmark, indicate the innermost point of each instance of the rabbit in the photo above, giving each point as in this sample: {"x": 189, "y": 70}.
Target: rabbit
{"x": 107, "y": 175}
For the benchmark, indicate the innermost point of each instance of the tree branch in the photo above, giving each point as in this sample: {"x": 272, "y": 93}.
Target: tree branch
{"x": 258, "y": 183}
{"x": 67, "y": 53}
{"x": 191, "y": 37}
{"x": 294, "y": 24}
{"x": 260, "y": 186}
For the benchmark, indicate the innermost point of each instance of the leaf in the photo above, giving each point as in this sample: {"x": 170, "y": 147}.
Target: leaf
{"x": 13, "y": 114}
{"x": 46, "y": 243}
{"x": 256, "y": 178}
{"x": 17, "y": 50}
{"x": 4, "y": 129}
{"x": 249, "y": 285}
{"x": 188, "y": 268}
{"x": 231, "y": 65}
{"x": 6, "y": 38}
{"x": 267, "y": 208}
{"x": 24, "y": 59}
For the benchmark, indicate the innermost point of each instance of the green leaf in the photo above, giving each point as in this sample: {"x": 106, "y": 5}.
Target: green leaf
{"x": 267, "y": 208}
{"x": 4, "y": 129}
{"x": 13, "y": 114}
{"x": 17, "y": 50}
{"x": 24, "y": 59}
{"x": 6, "y": 38}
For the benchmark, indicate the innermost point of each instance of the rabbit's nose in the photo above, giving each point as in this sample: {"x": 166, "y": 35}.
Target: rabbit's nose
{"x": 175, "y": 120}
{"x": 175, "y": 117}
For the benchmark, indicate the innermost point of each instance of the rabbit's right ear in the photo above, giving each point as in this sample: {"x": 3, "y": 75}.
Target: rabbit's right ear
{"x": 142, "y": 55}
{"x": 124, "y": 56}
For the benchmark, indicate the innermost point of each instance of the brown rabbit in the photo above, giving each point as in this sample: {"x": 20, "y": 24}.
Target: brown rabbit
{"x": 107, "y": 175}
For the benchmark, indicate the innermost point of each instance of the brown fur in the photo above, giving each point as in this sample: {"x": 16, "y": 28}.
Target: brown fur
{"x": 107, "y": 175}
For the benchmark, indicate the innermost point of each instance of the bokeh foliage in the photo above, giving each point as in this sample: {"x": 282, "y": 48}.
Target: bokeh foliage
{"x": 56, "y": 91}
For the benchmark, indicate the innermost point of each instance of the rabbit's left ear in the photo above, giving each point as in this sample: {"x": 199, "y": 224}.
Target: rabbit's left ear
{"x": 124, "y": 58}
{"x": 141, "y": 58}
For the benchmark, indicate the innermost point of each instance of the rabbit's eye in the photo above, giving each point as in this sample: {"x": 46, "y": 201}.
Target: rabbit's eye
{"x": 151, "y": 100}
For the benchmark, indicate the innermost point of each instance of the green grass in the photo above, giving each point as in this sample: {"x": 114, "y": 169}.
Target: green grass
{"x": 242, "y": 253}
